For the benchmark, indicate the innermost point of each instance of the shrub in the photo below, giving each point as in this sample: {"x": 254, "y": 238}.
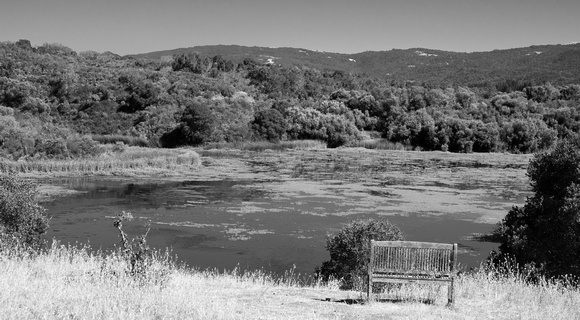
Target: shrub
{"x": 197, "y": 124}
{"x": 339, "y": 130}
{"x": 21, "y": 218}
{"x": 545, "y": 233}
{"x": 486, "y": 136}
{"x": 270, "y": 125}
{"x": 350, "y": 251}
{"x": 527, "y": 136}
{"x": 82, "y": 147}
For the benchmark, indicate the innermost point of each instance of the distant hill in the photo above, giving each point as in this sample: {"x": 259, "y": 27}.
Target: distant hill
{"x": 558, "y": 64}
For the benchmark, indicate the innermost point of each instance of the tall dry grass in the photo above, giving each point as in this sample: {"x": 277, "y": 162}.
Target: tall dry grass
{"x": 76, "y": 283}
{"x": 68, "y": 282}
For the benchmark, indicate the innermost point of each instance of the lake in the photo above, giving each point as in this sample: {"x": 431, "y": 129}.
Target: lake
{"x": 277, "y": 218}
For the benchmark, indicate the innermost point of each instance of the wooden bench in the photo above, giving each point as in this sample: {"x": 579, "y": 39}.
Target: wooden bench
{"x": 412, "y": 262}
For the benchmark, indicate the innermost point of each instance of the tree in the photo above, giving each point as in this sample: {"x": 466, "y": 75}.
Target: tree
{"x": 140, "y": 92}
{"x": 339, "y": 130}
{"x": 527, "y": 136}
{"x": 456, "y": 134}
{"x": 486, "y": 136}
{"x": 545, "y": 233}
{"x": 270, "y": 125}
{"x": 350, "y": 250}
{"x": 192, "y": 62}
{"x": 221, "y": 64}
{"x": 21, "y": 218}
{"x": 197, "y": 124}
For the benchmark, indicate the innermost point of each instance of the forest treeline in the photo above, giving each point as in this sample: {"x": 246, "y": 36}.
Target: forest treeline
{"x": 53, "y": 100}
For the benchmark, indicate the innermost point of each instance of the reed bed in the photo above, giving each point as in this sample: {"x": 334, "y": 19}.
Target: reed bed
{"x": 129, "y": 158}
{"x": 380, "y": 144}
{"x": 116, "y": 138}
{"x": 260, "y": 146}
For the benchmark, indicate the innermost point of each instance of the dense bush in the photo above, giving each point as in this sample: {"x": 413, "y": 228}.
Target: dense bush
{"x": 270, "y": 125}
{"x": 307, "y": 122}
{"x": 30, "y": 138}
{"x": 544, "y": 234}
{"x": 527, "y": 136}
{"x": 339, "y": 131}
{"x": 197, "y": 124}
{"x": 350, "y": 251}
{"x": 21, "y": 218}
{"x": 232, "y": 119}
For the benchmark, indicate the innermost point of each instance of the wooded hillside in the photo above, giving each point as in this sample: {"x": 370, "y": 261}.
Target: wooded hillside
{"x": 54, "y": 101}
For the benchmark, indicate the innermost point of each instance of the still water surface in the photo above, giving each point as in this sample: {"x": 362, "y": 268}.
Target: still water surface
{"x": 228, "y": 224}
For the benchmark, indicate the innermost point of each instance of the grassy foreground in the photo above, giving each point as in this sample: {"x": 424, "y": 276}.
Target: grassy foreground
{"x": 78, "y": 284}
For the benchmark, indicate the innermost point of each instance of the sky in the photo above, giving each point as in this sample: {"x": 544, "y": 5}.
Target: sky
{"x": 140, "y": 26}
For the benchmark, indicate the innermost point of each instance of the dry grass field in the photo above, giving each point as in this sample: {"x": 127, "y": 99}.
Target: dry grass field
{"x": 67, "y": 283}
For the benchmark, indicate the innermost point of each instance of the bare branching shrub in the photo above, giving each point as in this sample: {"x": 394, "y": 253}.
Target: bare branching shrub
{"x": 143, "y": 264}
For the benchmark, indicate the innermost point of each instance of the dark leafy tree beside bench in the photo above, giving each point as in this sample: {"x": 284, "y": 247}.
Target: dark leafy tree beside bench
{"x": 544, "y": 234}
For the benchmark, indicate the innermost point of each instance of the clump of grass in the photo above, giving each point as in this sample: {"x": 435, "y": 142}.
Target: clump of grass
{"x": 115, "y": 138}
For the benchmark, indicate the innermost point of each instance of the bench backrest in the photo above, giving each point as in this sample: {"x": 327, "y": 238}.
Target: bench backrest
{"x": 413, "y": 258}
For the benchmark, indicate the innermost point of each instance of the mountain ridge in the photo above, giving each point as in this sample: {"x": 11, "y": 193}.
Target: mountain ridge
{"x": 539, "y": 63}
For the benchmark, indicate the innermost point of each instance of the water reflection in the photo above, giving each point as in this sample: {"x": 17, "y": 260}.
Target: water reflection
{"x": 227, "y": 224}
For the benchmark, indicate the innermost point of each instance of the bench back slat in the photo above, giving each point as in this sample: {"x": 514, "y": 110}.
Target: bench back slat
{"x": 414, "y": 258}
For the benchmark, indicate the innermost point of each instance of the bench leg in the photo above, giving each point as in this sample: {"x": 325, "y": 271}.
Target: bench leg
{"x": 450, "y": 293}
{"x": 370, "y": 288}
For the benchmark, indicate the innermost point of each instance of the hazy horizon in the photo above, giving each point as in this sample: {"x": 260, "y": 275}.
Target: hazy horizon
{"x": 132, "y": 26}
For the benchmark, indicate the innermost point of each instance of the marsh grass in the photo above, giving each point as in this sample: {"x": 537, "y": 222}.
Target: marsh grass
{"x": 115, "y": 138}
{"x": 380, "y": 144}
{"x": 114, "y": 159}
{"x": 260, "y": 146}
{"x": 76, "y": 282}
